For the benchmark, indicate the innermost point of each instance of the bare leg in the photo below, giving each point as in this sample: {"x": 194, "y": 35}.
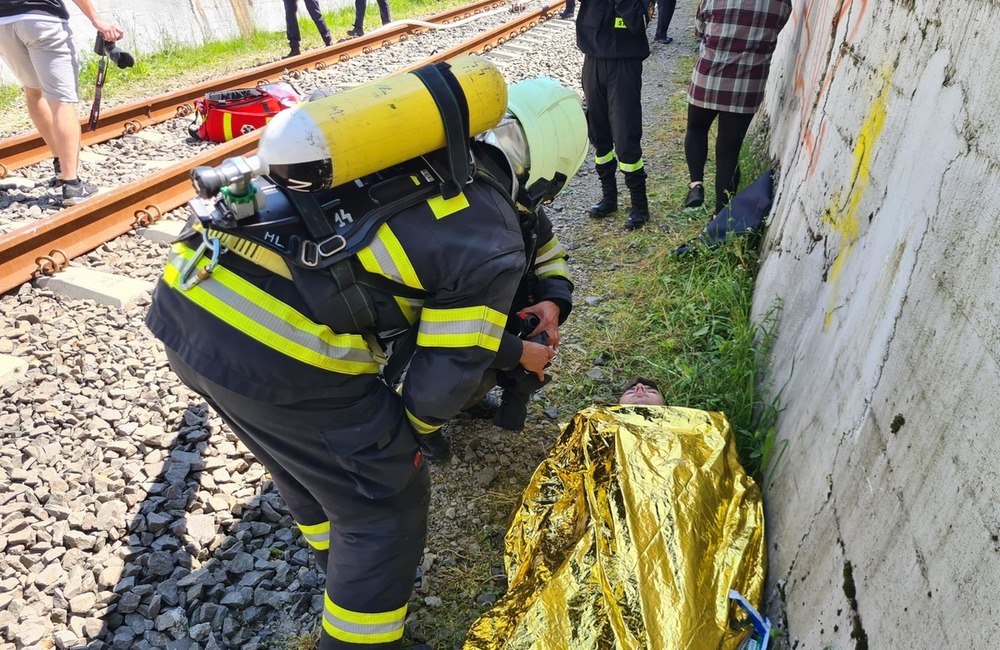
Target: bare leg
{"x": 57, "y": 123}
{"x": 66, "y": 137}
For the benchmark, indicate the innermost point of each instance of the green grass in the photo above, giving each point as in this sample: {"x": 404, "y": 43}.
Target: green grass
{"x": 177, "y": 65}
{"x": 683, "y": 320}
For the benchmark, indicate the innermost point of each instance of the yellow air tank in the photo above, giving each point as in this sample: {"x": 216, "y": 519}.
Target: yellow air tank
{"x": 330, "y": 141}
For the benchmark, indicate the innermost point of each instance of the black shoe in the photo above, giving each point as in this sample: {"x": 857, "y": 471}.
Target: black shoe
{"x": 566, "y": 15}
{"x": 328, "y": 41}
{"x": 485, "y": 409}
{"x": 292, "y": 53}
{"x": 355, "y": 32}
{"x": 695, "y": 196}
{"x": 636, "y": 220}
{"x": 74, "y": 193}
{"x": 666, "y": 40}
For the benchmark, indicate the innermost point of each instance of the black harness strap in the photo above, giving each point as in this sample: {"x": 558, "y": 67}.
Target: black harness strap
{"x": 454, "y": 109}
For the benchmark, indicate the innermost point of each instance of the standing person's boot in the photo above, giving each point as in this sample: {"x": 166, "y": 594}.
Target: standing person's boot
{"x": 293, "y": 50}
{"x": 638, "y": 216}
{"x": 608, "y": 204}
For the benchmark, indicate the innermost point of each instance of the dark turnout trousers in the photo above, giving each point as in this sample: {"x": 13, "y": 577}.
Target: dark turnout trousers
{"x": 363, "y": 511}
{"x": 613, "y": 88}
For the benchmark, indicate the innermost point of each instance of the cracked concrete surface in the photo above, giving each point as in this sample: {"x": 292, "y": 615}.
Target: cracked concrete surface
{"x": 883, "y": 523}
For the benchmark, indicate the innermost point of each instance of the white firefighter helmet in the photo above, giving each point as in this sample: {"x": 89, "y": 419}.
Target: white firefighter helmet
{"x": 555, "y": 128}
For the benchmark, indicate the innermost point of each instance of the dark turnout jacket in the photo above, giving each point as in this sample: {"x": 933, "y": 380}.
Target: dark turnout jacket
{"x": 613, "y": 29}
{"x": 253, "y": 332}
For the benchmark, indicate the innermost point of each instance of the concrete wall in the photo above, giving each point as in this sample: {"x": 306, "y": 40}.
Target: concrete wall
{"x": 150, "y": 25}
{"x": 884, "y": 514}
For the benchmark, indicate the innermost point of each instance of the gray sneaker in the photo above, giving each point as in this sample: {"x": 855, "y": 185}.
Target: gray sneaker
{"x": 75, "y": 193}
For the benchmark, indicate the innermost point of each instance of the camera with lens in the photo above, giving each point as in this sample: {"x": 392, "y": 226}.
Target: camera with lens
{"x": 110, "y": 49}
{"x": 518, "y": 384}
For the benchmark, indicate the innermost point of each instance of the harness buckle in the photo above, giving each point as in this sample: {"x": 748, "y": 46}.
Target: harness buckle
{"x": 191, "y": 275}
{"x": 309, "y": 253}
{"x": 340, "y": 243}
{"x": 313, "y": 253}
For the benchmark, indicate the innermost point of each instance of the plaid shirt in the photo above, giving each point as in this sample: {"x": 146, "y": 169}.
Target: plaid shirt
{"x": 737, "y": 40}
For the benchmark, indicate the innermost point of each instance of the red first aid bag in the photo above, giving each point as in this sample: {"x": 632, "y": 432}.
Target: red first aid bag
{"x": 228, "y": 114}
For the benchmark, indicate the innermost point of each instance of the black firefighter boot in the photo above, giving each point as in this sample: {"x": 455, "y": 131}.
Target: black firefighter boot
{"x": 608, "y": 204}
{"x": 639, "y": 214}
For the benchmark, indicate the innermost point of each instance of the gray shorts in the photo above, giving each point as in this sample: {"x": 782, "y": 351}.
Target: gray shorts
{"x": 42, "y": 56}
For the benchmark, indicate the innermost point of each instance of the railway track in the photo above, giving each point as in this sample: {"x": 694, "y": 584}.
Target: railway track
{"x": 46, "y": 246}
{"x": 29, "y": 148}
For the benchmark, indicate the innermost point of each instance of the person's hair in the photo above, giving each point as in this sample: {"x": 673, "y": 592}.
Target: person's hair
{"x": 641, "y": 380}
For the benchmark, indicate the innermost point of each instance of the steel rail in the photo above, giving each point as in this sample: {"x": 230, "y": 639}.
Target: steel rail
{"x": 71, "y": 232}
{"x": 29, "y": 148}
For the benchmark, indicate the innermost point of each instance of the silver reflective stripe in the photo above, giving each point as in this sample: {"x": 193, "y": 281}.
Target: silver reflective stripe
{"x": 365, "y": 629}
{"x": 257, "y": 322}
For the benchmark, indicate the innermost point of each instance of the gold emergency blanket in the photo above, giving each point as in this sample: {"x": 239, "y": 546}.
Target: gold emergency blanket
{"x": 630, "y": 535}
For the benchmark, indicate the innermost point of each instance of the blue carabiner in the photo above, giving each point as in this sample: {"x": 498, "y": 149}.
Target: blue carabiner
{"x": 191, "y": 275}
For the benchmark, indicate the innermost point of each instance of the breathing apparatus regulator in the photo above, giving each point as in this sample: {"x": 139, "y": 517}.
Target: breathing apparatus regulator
{"x": 331, "y": 163}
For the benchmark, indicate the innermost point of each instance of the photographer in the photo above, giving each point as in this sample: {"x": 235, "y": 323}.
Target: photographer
{"x": 37, "y": 43}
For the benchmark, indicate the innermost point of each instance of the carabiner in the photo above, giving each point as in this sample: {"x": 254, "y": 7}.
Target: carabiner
{"x": 187, "y": 280}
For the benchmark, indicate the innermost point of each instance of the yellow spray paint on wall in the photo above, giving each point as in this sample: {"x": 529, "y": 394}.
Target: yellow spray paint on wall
{"x": 843, "y": 219}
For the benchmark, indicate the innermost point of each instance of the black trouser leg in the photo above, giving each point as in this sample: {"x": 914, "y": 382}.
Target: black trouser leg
{"x": 292, "y": 25}
{"x": 383, "y": 11}
{"x": 732, "y": 130}
{"x": 359, "y": 15}
{"x": 664, "y": 14}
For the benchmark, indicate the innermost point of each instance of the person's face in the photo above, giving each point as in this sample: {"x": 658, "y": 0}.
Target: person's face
{"x": 642, "y": 394}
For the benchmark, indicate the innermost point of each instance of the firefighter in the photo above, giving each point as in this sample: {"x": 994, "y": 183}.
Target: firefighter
{"x": 252, "y": 321}
{"x": 612, "y": 37}
{"x": 544, "y": 298}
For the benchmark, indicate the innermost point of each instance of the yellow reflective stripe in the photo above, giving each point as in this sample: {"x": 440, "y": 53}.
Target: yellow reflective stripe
{"x": 263, "y": 318}
{"x": 410, "y": 308}
{"x": 619, "y": 22}
{"x": 360, "y": 627}
{"x": 555, "y": 268}
{"x": 317, "y": 535}
{"x": 630, "y": 167}
{"x": 442, "y": 207}
{"x": 250, "y": 251}
{"x": 420, "y": 426}
{"x": 464, "y": 327}
{"x": 550, "y": 261}
{"x": 385, "y": 256}
{"x": 606, "y": 158}
{"x": 227, "y": 125}
{"x": 551, "y": 249}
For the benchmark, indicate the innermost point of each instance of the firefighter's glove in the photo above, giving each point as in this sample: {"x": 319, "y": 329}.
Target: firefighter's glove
{"x": 434, "y": 446}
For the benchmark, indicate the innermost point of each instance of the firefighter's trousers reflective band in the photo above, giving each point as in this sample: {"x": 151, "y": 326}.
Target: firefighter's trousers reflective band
{"x": 464, "y": 327}
{"x": 359, "y": 627}
{"x": 606, "y": 158}
{"x": 317, "y": 535}
{"x": 631, "y": 167}
{"x": 260, "y": 316}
